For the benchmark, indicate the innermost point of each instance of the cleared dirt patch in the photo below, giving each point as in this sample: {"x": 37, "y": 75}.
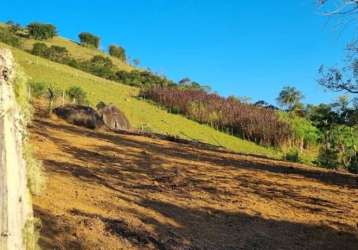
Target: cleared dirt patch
{"x": 111, "y": 191}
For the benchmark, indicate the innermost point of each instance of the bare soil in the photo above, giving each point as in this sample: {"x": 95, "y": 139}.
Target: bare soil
{"x": 112, "y": 191}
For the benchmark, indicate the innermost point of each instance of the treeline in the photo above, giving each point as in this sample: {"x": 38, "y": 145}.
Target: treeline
{"x": 260, "y": 125}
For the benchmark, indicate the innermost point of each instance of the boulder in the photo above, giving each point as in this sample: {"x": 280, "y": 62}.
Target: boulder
{"x": 79, "y": 115}
{"x": 112, "y": 117}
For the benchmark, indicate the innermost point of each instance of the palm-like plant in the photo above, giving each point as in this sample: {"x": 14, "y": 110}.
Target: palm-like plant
{"x": 289, "y": 97}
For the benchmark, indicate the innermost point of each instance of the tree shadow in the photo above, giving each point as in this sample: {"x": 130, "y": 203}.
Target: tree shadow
{"x": 212, "y": 156}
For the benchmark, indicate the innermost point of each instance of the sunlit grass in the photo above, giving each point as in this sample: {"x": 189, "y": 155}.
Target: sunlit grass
{"x": 139, "y": 112}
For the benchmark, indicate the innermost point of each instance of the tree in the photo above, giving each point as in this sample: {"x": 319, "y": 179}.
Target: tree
{"x": 41, "y": 31}
{"x": 88, "y": 39}
{"x": 117, "y": 51}
{"x": 290, "y": 98}
{"x": 339, "y": 7}
{"x": 345, "y": 79}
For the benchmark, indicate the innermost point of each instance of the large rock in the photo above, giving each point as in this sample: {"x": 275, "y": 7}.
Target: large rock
{"x": 112, "y": 117}
{"x": 79, "y": 115}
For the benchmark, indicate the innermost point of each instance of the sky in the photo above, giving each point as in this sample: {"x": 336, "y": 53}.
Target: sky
{"x": 247, "y": 48}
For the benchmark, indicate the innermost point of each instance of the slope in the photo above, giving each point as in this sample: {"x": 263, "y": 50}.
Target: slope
{"x": 77, "y": 51}
{"x": 140, "y": 113}
{"x": 111, "y": 191}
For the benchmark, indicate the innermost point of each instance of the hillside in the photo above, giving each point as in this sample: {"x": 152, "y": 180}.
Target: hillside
{"x": 77, "y": 51}
{"x": 141, "y": 114}
{"x": 133, "y": 192}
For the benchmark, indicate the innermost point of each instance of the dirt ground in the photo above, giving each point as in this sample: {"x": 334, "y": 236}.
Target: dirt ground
{"x": 110, "y": 191}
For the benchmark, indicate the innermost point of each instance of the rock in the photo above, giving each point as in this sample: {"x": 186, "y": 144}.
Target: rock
{"x": 79, "y": 115}
{"x": 112, "y": 117}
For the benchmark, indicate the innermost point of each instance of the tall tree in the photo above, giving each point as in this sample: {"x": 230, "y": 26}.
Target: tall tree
{"x": 289, "y": 97}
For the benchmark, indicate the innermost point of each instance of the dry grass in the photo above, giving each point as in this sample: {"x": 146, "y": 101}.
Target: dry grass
{"x": 110, "y": 191}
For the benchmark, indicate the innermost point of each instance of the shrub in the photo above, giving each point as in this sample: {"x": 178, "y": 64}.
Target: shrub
{"x": 77, "y": 95}
{"x": 40, "y": 31}
{"x": 303, "y": 133}
{"x": 88, "y": 39}
{"x": 39, "y": 49}
{"x": 37, "y": 89}
{"x": 9, "y": 38}
{"x": 141, "y": 78}
{"x": 54, "y": 53}
{"x": 118, "y": 52}
{"x": 57, "y": 54}
{"x": 292, "y": 155}
{"x": 339, "y": 148}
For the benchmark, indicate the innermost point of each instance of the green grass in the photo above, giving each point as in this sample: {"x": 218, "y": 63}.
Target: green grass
{"x": 139, "y": 112}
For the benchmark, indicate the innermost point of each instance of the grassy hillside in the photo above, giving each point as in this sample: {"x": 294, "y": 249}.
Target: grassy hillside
{"x": 76, "y": 50}
{"x": 140, "y": 113}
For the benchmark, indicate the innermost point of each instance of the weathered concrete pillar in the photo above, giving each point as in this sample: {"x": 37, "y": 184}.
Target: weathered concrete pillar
{"x": 15, "y": 203}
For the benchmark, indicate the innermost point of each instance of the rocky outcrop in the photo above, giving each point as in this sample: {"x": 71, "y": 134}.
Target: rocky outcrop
{"x": 113, "y": 118}
{"x": 15, "y": 203}
{"x": 79, "y": 115}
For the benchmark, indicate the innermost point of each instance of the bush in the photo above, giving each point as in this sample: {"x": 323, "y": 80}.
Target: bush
{"x": 9, "y": 38}
{"x": 57, "y": 54}
{"x": 39, "y": 49}
{"x": 88, "y": 39}
{"x": 141, "y": 78}
{"x": 37, "y": 89}
{"x": 118, "y": 52}
{"x": 40, "y": 31}
{"x": 54, "y": 53}
{"x": 293, "y": 155}
{"x": 339, "y": 148}
{"x": 77, "y": 95}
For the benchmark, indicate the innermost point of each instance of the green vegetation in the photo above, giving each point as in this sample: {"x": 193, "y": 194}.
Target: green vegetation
{"x": 6, "y": 36}
{"x": 117, "y": 51}
{"x": 89, "y": 40}
{"x": 40, "y": 31}
{"x": 77, "y": 95}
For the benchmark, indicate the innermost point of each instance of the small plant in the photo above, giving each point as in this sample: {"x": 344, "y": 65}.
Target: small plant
{"x": 77, "y": 95}
{"x": 37, "y": 89}
{"x": 293, "y": 155}
{"x": 9, "y": 38}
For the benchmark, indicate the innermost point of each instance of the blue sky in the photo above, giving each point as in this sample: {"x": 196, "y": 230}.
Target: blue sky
{"x": 243, "y": 48}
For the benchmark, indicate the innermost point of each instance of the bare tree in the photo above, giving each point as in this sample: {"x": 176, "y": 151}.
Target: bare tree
{"x": 340, "y": 7}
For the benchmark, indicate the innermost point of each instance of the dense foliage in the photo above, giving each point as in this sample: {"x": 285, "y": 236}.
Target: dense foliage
{"x": 88, "y": 39}
{"x": 257, "y": 124}
{"x": 117, "y": 51}
{"x": 340, "y": 148}
{"x": 141, "y": 78}
{"x": 40, "y": 31}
